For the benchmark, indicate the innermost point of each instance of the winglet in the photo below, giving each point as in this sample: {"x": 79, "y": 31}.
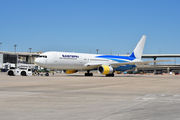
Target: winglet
{"x": 137, "y": 53}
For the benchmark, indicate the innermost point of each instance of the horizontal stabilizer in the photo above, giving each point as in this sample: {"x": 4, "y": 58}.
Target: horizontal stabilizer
{"x": 139, "y": 63}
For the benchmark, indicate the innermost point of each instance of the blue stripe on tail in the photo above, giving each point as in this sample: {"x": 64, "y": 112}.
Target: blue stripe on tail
{"x": 132, "y": 55}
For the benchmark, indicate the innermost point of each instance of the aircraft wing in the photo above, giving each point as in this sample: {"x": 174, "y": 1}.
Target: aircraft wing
{"x": 93, "y": 65}
{"x": 139, "y": 63}
{"x": 96, "y": 65}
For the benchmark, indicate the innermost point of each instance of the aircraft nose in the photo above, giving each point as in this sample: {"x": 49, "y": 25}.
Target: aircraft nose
{"x": 37, "y": 61}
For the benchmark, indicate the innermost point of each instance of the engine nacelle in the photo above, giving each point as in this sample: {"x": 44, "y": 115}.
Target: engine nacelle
{"x": 105, "y": 69}
{"x": 70, "y": 71}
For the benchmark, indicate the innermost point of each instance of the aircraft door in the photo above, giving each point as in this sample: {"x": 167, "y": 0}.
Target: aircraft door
{"x": 55, "y": 58}
{"x": 45, "y": 60}
{"x": 80, "y": 59}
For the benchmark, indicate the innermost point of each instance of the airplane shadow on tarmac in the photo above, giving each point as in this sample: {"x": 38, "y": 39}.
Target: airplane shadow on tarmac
{"x": 104, "y": 76}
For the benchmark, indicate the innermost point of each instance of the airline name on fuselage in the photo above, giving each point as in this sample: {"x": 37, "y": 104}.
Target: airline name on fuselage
{"x": 70, "y": 56}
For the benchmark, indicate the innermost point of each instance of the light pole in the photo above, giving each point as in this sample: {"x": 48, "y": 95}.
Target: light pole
{"x": 30, "y": 55}
{"x": 16, "y": 55}
{"x": 15, "y": 47}
{"x": 0, "y": 46}
{"x": 97, "y": 50}
{"x": 30, "y": 49}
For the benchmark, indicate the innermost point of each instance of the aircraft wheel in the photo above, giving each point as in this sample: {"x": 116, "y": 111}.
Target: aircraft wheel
{"x": 23, "y": 73}
{"x": 110, "y": 75}
{"x": 107, "y": 75}
{"x": 11, "y": 73}
{"x": 47, "y": 74}
{"x": 88, "y": 74}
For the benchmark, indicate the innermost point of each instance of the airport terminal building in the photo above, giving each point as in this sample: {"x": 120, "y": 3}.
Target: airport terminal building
{"x": 17, "y": 58}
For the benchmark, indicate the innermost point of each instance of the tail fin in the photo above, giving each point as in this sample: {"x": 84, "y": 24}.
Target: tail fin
{"x": 137, "y": 53}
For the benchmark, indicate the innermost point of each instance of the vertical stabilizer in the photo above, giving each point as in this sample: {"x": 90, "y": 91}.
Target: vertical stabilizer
{"x": 137, "y": 53}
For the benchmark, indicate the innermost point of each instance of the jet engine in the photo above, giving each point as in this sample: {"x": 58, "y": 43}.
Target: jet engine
{"x": 70, "y": 71}
{"x": 106, "y": 69}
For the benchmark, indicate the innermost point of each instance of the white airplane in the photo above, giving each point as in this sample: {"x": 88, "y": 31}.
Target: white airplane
{"x": 105, "y": 64}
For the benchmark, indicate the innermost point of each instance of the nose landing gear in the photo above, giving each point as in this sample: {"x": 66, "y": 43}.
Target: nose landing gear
{"x": 47, "y": 74}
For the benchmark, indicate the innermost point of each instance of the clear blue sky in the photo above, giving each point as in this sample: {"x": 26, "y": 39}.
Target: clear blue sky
{"x": 87, "y": 25}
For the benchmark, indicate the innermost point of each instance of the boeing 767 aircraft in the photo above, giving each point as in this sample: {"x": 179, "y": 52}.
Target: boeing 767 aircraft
{"x": 105, "y": 64}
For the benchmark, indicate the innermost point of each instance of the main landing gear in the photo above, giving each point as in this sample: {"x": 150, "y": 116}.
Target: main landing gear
{"x": 88, "y": 74}
{"x": 110, "y": 75}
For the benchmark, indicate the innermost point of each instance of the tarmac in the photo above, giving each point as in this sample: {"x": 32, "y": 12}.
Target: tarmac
{"x": 76, "y": 97}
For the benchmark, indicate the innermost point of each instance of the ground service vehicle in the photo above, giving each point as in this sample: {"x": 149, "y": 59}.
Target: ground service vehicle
{"x": 20, "y": 71}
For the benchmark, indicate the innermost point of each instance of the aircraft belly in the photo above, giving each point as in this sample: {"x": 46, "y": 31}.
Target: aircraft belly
{"x": 66, "y": 65}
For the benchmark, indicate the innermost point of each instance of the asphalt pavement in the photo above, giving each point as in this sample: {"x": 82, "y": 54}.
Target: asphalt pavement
{"x": 76, "y": 97}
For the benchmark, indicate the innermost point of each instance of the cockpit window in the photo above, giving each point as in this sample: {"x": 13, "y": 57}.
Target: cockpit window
{"x": 42, "y": 56}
